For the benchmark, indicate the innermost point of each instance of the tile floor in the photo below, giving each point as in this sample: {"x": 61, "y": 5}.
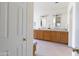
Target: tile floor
{"x": 45, "y": 48}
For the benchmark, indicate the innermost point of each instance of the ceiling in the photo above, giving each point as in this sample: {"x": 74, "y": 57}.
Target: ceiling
{"x": 51, "y": 4}
{"x": 46, "y": 8}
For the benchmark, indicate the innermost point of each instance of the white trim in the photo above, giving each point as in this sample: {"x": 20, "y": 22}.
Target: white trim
{"x": 29, "y": 29}
{"x": 73, "y": 27}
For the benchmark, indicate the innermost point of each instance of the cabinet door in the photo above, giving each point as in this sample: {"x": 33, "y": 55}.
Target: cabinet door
{"x": 52, "y": 36}
{"x": 35, "y": 34}
{"x": 64, "y": 37}
{"x": 55, "y": 36}
{"x": 58, "y": 36}
{"x": 46, "y": 35}
{"x": 40, "y": 34}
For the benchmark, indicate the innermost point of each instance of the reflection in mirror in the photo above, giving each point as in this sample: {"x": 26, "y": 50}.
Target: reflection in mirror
{"x": 58, "y": 21}
{"x": 43, "y": 21}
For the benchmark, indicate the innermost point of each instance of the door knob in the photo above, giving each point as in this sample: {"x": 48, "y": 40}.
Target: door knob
{"x": 24, "y": 39}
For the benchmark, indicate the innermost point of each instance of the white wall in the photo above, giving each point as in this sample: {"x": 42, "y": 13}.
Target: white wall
{"x": 76, "y": 23}
{"x": 49, "y": 8}
{"x": 74, "y": 27}
{"x": 71, "y": 21}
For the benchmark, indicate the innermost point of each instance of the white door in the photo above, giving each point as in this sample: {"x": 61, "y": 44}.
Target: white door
{"x": 14, "y": 30}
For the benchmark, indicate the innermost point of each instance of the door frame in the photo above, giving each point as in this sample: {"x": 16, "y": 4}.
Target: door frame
{"x": 29, "y": 29}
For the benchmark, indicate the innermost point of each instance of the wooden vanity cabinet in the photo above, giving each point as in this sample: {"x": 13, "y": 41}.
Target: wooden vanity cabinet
{"x": 54, "y": 36}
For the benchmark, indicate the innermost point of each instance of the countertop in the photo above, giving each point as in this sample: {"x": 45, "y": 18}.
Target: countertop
{"x": 65, "y": 30}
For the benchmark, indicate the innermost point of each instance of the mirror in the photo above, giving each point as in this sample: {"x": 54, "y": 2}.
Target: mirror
{"x": 58, "y": 21}
{"x": 43, "y": 21}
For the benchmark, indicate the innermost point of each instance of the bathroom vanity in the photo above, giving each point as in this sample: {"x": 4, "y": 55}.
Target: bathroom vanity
{"x": 53, "y": 35}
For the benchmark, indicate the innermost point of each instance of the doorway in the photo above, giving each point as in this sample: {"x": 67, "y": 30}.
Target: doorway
{"x": 50, "y": 29}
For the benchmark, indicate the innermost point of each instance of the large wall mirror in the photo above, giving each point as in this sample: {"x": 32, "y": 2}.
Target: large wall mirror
{"x": 58, "y": 21}
{"x": 43, "y": 21}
